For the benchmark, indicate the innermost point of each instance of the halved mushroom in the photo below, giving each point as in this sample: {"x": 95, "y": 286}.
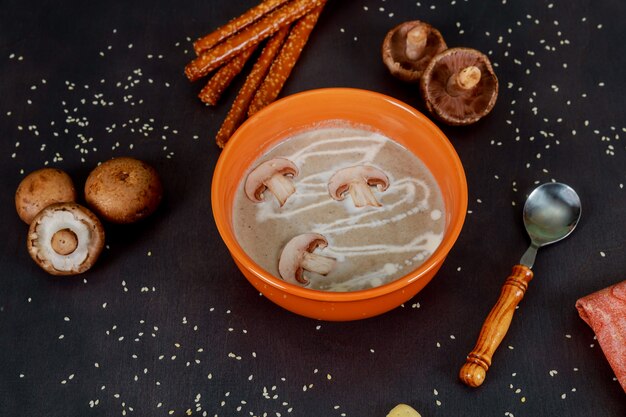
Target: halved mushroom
{"x": 297, "y": 256}
{"x": 40, "y": 189}
{"x": 409, "y": 47}
{"x": 459, "y": 86}
{"x": 273, "y": 175}
{"x": 357, "y": 181}
{"x": 65, "y": 239}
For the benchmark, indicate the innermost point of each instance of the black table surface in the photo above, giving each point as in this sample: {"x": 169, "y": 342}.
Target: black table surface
{"x": 165, "y": 324}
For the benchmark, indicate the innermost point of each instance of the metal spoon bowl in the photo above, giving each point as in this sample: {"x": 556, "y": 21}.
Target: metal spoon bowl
{"x": 551, "y": 213}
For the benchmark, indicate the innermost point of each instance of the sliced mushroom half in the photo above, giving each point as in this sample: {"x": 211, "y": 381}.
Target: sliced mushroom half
{"x": 297, "y": 256}
{"x": 357, "y": 181}
{"x": 409, "y": 47}
{"x": 274, "y": 175}
{"x": 65, "y": 239}
{"x": 459, "y": 86}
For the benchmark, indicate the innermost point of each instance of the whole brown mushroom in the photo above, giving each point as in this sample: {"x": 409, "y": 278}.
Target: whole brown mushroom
{"x": 459, "y": 86}
{"x": 123, "y": 190}
{"x": 41, "y": 188}
{"x": 65, "y": 239}
{"x": 408, "y": 48}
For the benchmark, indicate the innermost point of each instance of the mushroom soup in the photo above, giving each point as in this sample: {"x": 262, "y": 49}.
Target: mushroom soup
{"x": 358, "y": 210}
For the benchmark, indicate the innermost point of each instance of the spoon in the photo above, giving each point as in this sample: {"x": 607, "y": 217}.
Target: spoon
{"x": 551, "y": 213}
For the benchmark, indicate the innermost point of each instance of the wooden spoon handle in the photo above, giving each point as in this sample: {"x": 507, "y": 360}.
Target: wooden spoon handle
{"x": 495, "y": 327}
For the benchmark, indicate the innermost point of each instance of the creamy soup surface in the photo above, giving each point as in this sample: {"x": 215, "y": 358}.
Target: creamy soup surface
{"x": 372, "y": 245}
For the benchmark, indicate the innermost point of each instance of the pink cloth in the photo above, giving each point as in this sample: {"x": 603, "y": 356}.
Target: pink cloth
{"x": 605, "y": 312}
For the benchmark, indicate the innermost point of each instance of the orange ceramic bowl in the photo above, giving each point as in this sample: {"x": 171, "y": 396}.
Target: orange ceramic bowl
{"x": 392, "y": 118}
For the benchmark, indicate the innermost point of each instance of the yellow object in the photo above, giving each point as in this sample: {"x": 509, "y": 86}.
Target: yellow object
{"x": 403, "y": 410}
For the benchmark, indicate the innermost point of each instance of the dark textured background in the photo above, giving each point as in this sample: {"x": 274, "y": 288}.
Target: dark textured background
{"x": 165, "y": 324}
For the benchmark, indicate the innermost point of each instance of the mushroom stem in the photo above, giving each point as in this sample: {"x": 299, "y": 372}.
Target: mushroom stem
{"x": 281, "y": 186}
{"x": 317, "y": 263}
{"x": 64, "y": 242}
{"x": 463, "y": 81}
{"x": 416, "y": 39}
{"x": 362, "y": 195}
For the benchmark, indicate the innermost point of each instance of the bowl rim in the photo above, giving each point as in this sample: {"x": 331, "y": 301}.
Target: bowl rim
{"x": 229, "y": 152}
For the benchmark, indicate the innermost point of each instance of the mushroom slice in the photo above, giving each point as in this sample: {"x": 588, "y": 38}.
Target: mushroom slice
{"x": 273, "y": 175}
{"x": 357, "y": 181}
{"x": 409, "y": 47}
{"x": 459, "y": 86}
{"x": 297, "y": 256}
{"x": 65, "y": 239}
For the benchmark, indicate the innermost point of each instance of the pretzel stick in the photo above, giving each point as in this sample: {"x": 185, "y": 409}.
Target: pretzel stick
{"x": 250, "y": 36}
{"x": 213, "y": 90}
{"x": 236, "y": 24}
{"x": 237, "y": 113}
{"x": 285, "y": 61}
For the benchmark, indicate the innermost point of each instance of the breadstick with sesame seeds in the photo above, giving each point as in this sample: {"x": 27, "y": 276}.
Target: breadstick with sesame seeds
{"x": 250, "y": 36}
{"x": 237, "y": 113}
{"x": 220, "y": 81}
{"x": 285, "y": 61}
{"x": 236, "y": 24}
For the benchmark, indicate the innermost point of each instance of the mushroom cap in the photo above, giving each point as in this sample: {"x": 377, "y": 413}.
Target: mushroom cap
{"x": 41, "y": 188}
{"x": 123, "y": 190}
{"x": 70, "y": 219}
{"x": 340, "y": 182}
{"x": 394, "y": 50}
{"x": 255, "y": 182}
{"x": 469, "y": 106}
{"x": 290, "y": 262}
